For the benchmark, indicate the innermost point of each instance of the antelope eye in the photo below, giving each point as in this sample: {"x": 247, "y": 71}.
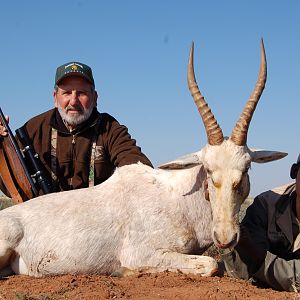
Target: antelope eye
{"x": 235, "y": 185}
{"x": 209, "y": 172}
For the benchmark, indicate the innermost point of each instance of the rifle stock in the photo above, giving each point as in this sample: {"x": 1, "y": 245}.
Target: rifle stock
{"x": 13, "y": 162}
{"x": 10, "y": 184}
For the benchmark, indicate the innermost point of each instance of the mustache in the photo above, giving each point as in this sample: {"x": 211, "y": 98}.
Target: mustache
{"x": 74, "y": 107}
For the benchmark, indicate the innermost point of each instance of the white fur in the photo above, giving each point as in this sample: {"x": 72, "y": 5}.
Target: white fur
{"x": 140, "y": 218}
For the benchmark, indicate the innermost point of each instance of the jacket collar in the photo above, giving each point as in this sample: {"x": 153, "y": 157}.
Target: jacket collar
{"x": 283, "y": 215}
{"x": 57, "y": 123}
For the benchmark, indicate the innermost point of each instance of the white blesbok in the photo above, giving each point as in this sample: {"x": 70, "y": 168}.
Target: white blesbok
{"x": 141, "y": 218}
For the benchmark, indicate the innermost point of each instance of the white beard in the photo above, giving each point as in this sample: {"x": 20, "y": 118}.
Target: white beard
{"x": 75, "y": 119}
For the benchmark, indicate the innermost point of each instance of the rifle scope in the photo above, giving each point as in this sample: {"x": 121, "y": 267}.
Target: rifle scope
{"x": 36, "y": 164}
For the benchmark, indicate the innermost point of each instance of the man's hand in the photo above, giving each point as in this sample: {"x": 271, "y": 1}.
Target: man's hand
{"x": 3, "y": 131}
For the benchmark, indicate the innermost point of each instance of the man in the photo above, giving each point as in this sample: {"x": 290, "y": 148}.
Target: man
{"x": 78, "y": 146}
{"x": 269, "y": 247}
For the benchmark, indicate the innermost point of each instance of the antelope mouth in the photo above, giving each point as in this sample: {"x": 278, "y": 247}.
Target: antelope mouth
{"x": 231, "y": 244}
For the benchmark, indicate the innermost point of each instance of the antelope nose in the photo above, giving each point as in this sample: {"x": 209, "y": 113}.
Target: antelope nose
{"x": 226, "y": 243}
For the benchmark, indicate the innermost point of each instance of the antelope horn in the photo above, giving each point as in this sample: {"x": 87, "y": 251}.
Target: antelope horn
{"x": 239, "y": 132}
{"x": 213, "y": 131}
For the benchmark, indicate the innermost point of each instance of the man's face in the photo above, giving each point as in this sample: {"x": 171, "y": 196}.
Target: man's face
{"x": 75, "y": 99}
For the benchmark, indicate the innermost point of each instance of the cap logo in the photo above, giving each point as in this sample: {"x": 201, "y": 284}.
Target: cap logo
{"x": 74, "y": 65}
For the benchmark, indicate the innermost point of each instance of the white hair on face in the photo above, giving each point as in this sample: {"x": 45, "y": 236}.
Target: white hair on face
{"x": 77, "y": 119}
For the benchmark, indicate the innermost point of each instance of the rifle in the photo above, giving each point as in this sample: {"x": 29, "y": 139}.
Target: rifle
{"x": 20, "y": 183}
{"x": 35, "y": 162}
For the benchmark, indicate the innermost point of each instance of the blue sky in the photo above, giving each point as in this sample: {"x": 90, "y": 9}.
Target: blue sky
{"x": 138, "y": 51}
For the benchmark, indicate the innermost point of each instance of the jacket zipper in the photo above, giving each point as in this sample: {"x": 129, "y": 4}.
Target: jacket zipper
{"x": 73, "y": 148}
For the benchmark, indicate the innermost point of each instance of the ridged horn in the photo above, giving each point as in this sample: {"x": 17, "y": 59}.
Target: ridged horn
{"x": 239, "y": 132}
{"x": 213, "y": 131}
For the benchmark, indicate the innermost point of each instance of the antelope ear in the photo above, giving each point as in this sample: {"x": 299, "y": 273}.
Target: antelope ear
{"x": 183, "y": 162}
{"x": 264, "y": 156}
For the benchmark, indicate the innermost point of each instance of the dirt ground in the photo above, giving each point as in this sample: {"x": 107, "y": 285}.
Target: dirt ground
{"x": 165, "y": 285}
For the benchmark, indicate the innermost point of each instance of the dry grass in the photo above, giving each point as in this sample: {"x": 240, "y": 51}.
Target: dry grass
{"x": 244, "y": 207}
{"x": 5, "y": 202}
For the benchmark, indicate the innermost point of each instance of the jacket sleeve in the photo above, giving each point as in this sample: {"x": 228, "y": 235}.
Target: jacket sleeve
{"x": 121, "y": 147}
{"x": 279, "y": 273}
{"x": 276, "y": 272}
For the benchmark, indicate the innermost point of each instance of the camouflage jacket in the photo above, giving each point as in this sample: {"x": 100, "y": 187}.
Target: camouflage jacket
{"x": 272, "y": 224}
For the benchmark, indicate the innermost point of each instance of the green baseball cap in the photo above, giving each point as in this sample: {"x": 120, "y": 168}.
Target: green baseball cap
{"x": 74, "y": 69}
